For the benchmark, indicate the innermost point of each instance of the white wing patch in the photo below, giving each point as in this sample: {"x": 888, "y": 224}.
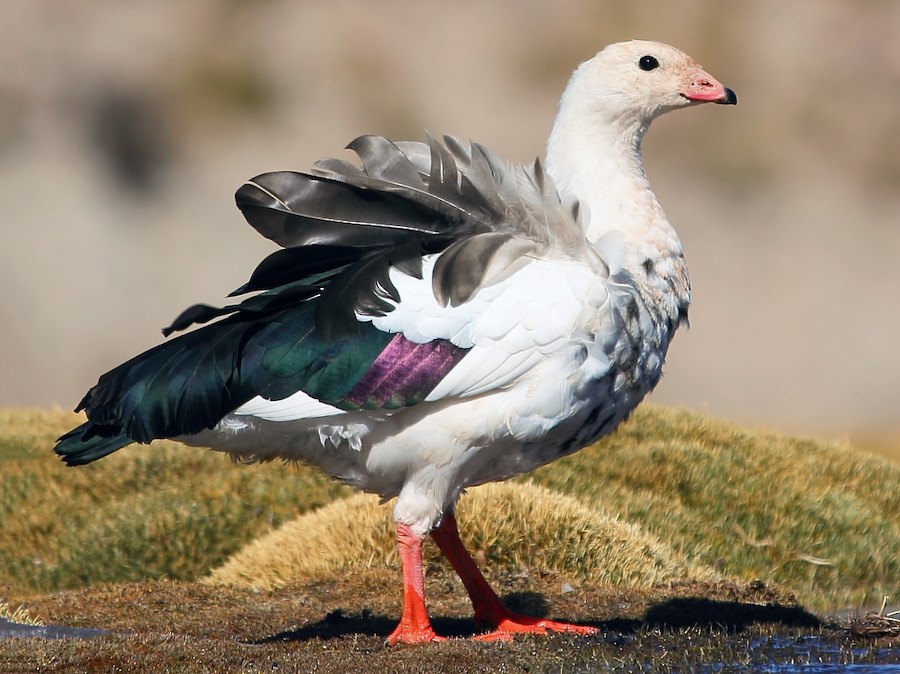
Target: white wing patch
{"x": 484, "y": 370}
{"x": 296, "y": 406}
{"x": 509, "y": 326}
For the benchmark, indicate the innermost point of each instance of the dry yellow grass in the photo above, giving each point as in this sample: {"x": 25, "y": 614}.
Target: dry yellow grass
{"x": 507, "y": 525}
{"x": 17, "y": 615}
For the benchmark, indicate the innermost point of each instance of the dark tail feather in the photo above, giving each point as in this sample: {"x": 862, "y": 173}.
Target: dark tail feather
{"x": 85, "y": 444}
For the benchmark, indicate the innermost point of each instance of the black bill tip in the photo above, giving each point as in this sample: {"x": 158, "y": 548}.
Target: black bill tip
{"x": 729, "y": 99}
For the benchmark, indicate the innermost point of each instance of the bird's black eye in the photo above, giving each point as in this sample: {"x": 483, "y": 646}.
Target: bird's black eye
{"x": 648, "y": 62}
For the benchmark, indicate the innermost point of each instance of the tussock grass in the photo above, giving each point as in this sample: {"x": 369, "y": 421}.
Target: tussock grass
{"x": 162, "y": 511}
{"x": 18, "y": 615}
{"x": 516, "y": 526}
{"x": 819, "y": 518}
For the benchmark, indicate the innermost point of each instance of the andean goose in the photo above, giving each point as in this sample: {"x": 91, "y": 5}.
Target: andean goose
{"x": 436, "y": 318}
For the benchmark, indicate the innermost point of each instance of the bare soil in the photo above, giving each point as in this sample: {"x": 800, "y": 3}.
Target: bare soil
{"x": 340, "y": 626}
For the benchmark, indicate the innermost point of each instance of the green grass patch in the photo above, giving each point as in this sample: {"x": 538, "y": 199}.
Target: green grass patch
{"x": 818, "y": 518}
{"x": 161, "y": 511}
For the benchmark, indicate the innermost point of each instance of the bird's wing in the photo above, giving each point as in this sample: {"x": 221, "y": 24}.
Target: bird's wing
{"x": 434, "y": 351}
{"x": 392, "y": 274}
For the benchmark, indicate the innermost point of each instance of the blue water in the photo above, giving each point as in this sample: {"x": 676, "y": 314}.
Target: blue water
{"x": 820, "y": 668}
{"x": 11, "y": 629}
{"x": 811, "y": 655}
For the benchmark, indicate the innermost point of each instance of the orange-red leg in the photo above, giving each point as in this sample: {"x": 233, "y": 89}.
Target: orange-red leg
{"x": 489, "y": 610}
{"x": 414, "y": 627}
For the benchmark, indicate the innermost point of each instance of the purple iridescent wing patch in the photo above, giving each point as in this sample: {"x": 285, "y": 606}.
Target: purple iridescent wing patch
{"x": 404, "y": 373}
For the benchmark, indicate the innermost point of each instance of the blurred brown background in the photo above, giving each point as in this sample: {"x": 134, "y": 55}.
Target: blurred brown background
{"x": 126, "y": 127}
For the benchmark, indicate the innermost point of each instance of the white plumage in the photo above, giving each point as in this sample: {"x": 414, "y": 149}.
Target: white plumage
{"x": 526, "y": 326}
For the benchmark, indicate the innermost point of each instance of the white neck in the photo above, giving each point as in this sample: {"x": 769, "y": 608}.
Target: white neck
{"x": 595, "y": 157}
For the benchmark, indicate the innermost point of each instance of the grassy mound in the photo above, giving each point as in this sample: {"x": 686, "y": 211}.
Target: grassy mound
{"x": 162, "y": 511}
{"x": 506, "y": 525}
{"x": 819, "y": 518}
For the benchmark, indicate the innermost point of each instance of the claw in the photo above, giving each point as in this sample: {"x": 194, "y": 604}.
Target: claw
{"x": 412, "y": 634}
{"x": 513, "y": 623}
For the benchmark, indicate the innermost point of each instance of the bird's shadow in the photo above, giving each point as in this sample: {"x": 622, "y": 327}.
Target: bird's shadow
{"x": 676, "y": 613}
{"x": 728, "y": 616}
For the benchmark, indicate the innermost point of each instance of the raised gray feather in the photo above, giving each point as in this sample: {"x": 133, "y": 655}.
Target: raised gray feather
{"x": 480, "y": 213}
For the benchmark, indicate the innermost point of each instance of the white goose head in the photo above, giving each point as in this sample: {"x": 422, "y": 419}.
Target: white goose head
{"x": 593, "y": 153}
{"x": 640, "y": 80}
